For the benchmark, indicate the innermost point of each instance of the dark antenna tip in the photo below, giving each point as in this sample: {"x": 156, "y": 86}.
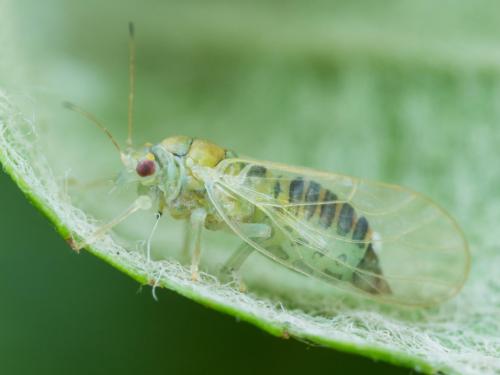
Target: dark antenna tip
{"x": 131, "y": 75}
{"x": 131, "y": 29}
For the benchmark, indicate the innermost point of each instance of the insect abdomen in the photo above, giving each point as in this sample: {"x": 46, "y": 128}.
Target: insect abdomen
{"x": 350, "y": 255}
{"x": 313, "y": 203}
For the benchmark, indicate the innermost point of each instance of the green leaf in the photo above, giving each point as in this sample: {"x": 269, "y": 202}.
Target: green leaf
{"x": 396, "y": 93}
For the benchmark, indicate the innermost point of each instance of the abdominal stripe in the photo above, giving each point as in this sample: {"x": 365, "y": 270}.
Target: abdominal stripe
{"x": 296, "y": 190}
{"x": 312, "y": 197}
{"x": 360, "y": 231}
{"x": 257, "y": 171}
{"x": 327, "y": 213}
{"x": 277, "y": 188}
{"x": 346, "y": 218}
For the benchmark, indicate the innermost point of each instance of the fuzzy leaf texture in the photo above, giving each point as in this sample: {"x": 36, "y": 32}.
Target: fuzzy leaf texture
{"x": 399, "y": 92}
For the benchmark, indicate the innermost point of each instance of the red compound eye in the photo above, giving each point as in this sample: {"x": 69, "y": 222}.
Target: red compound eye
{"x": 145, "y": 168}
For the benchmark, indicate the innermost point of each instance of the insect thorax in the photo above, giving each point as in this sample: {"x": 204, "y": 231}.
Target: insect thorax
{"x": 183, "y": 160}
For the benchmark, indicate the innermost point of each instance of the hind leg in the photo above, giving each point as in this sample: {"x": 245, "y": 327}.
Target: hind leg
{"x": 231, "y": 267}
{"x": 235, "y": 261}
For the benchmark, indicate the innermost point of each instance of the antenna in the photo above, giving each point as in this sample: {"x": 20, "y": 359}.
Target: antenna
{"x": 93, "y": 119}
{"x": 131, "y": 76}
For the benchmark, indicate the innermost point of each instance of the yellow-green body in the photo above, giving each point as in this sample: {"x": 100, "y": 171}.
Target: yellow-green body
{"x": 195, "y": 154}
{"x": 188, "y": 165}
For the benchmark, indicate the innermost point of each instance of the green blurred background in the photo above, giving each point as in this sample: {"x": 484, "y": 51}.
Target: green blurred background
{"x": 385, "y": 91}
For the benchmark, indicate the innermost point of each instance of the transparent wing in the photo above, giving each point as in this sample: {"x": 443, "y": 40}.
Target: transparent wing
{"x": 384, "y": 240}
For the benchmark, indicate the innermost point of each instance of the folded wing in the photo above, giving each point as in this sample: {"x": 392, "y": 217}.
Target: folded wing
{"x": 382, "y": 240}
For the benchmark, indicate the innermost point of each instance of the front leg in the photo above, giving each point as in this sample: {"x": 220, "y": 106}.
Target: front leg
{"x": 143, "y": 202}
{"x": 197, "y": 221}
{"x": 159, "y": 214}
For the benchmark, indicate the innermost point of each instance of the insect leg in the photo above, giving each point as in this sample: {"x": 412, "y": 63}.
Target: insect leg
{"x": 151, "y": 234}
{"x": 197, "y": 221}
{"x": 186, "y": 242}
{"x": 141, "y": 203}
{"x": 158, "y": 216}
{"x": 256, "y": 230}
{"x": 234, "y": 263}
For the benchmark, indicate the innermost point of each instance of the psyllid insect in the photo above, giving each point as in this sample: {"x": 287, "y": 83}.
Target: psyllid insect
{"x": 380, "y": 240}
